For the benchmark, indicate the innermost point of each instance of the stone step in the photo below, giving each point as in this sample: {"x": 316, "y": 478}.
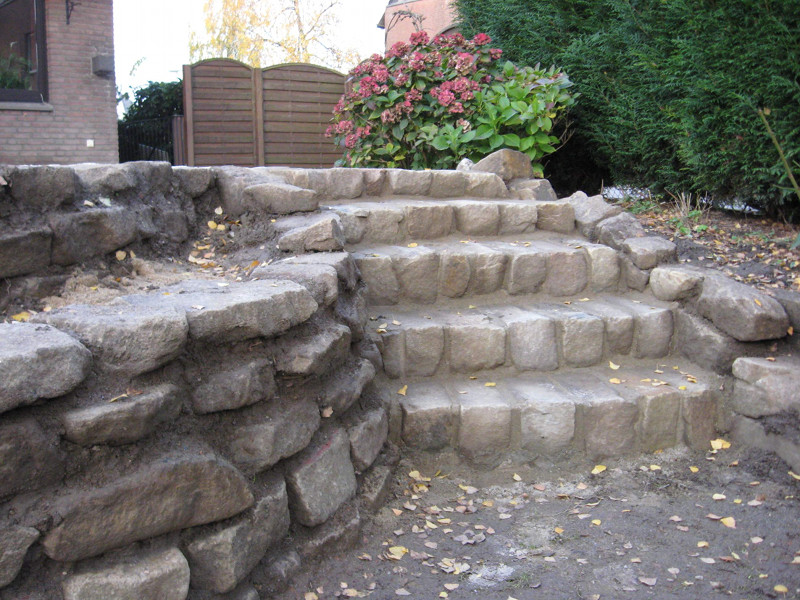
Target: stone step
{"x": 641, "y": 407}
{"x": 453, "y": 269}
{"x": 540, "y": 337}
{"x": 398, "y": 220}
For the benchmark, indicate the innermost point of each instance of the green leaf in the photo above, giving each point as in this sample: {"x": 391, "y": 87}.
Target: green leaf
{"x": 508, "y": 69}
{"x": 512, "y": 140}
{"x": 440, "y": 143}
{"x": 468, "y": 137}
{"x": 496, "y": 141}
{"x": 483, "y": 132}
{"x": 526, "y": 143}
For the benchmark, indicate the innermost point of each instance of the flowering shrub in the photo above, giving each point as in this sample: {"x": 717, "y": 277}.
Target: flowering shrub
{"x": 430, "y": 103}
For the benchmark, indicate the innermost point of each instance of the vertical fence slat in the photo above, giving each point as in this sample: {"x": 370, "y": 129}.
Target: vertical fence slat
{"x": 188, "y": 112}
{"x": 258, "y": 110}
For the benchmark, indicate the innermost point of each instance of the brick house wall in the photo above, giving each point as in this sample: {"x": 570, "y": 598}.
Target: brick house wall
{"x": 439, "y": 16}
{"x": 81, "y": 105}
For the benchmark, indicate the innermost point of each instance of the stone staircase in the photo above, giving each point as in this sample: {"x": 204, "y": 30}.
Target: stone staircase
{"x": 504, "y": 331}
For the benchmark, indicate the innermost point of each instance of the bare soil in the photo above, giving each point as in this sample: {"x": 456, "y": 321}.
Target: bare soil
{"x": 645, "y": 527}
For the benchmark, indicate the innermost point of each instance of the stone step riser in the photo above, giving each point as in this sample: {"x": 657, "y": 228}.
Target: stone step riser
{"x": 427, "y": 274}
{"x": 396, "y": 222}
{"x": 543, "y": 418}
{"x": 543, "y": 340}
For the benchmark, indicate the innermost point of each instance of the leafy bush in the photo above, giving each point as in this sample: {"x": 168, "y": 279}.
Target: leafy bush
{"x": 156, "y": 100}
{"x": 428, "y": 104}
{"x": 14, "y": 73}
{"x": 669, "y": 90}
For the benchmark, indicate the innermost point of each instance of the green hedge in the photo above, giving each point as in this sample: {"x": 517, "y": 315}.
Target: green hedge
{"x": 669, "y": 88}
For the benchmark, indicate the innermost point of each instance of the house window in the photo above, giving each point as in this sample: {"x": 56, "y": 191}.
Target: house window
{"x": 23, "y": 62}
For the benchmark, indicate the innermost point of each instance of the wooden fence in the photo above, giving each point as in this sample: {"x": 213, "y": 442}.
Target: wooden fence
{"x": 238, "y": 115}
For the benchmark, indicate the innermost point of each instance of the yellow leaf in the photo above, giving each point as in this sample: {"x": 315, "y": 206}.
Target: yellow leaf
{"x": 655, "y": 468}
{"x": 221, "y": 227}
{"x": 681, "y": 387}
{"x": 490, "y": 384}
{"x": 121, "y": 255}
{"x": 718, "y": 496}
{"x": 757, "y": 301}
{"x": 310, "y": 596}
{"x": 694, "y": 469}
{"x": 795, "y": 475}
{"x": 612, "y": 366}
{"x": 558, "y": 530}
{"x": 596, "y": 522}
{"x": 413, "y": 245}
{"x": 702, "y": 544}
{"x": 517, "y": 477}
{"x": 781, "y": 589}
{"x": 598, "y": 469}
{"x": 397, "y": 552}
{"x": 728, "y": 522}
{"x": 402, "y": 391}
{"x": 790, "y": 331}
{"x": 615, "y": 381}
{"x": 22, "y": 316}
{"x": 472, "y": 306}
{"x": 327, "y": 412}
{"x": 451, "y": 586}
{"x": 212, "y": 225}
{"x": 218, "y": 210}
{"x": 795, "y": 561}
{"x": 583, "y": 300}
{"x": 720, "y": 444}
{"x": 442, "y": 594}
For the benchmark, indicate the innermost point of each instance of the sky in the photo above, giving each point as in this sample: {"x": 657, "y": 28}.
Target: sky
{"x": 151, "y": 37}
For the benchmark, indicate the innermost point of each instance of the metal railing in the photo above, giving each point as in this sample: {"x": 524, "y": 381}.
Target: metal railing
{"x": 152, "y": 139}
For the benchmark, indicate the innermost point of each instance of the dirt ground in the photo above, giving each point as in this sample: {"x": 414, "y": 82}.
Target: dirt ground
{"x": 673, "y": 524}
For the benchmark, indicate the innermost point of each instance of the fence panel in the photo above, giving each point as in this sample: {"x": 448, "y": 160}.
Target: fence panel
{"x": 237, "y": 115}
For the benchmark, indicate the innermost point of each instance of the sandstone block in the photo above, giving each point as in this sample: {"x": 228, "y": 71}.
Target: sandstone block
{"x": 417, "y": 271}
{"x": 659, "y": 416}
{"x": 580, "y": 338}
{"x": 335, "y": 535}
{"x": 14, "y": 544}
{"x": 159, "y": 575}
{"x": 765, "y": 388}
{"x": 353, "y": 221}
{"x": 105, "y": 180}
{"x": 23, "y": 252}
{"x": 232, "y": 387}
{"x": 351, "y": 310}
{"x": 343, "y": 262}
{"x": 374, "y": 181}
{"x": 41, "y": 187}
{"x": 741, "y": 311}
{"x": 92, "y": 232}
{"x": 449, "y": 184}
{"x": 699, "y": 419}
{"x": 674, "y": 283}
{"x": 237, "y": 311}
{"x": 613, "y": 231}
{"x": 428, "y": 221}
{"x": 518, "y": 217}
{"x": 619, "y": 325}
{"x": 650, "y": 251}
{"x": 266, "y": 434}
{"x": 547, "y": 417}
{"x": 589, "y": 211}
{"x": 383, "y": 223}
{"x": 533, "y": 189}
{"x": 705, "y": 345}
{"x": 567, "y": 271}
{"x": 556, "y": 216}
{"x": 378, "y": 273}
{"x": 487, "y": 268}
{"x": 484, "y": 423}
{"x": 277, "y": 199}
{"x": 320, "y": 233}
{"x": 532, "y": 342}
{"x": 485, "y": 185}
{"x": 125, "y": 421}
{"x": 632, "y": 276}
{"x": 367, "y": 437}
{"x": 37, "y": 361}
{"x": 345, "y": 183}
{"x": 313, "y": 350}
{"x": 319, "y": 279}
{"x": 607, "y": 421}
{"x": 321, "y": 479}
{"x": 455, "y": 272}
{"x": 195, "y": 181}
{"x": 653, "y": 328}
{"x": 506, "y": 164}
{"x": 429, "y": 417}
{"x": 604, "y": 267}
{"x": 174, "y": 492}
{"x": 124, "y": 340}
{"x": 424, "y": 348}
{"x": 526, "y": 271}
{"x": 222, "y": 555}
{"x": 476, "y": 217}
{"x": 340, "y": 390}
{"x": 475, "y": 344}
{"x": 408, "y": 183}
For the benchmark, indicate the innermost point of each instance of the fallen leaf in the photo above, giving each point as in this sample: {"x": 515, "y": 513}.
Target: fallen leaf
{"x": 218, "y": 210}
{"x": 396, "y": 552}
{"x": 558, "y": 530}
{"x": 756, "y": 540}
{"x": 598, "y": 469}
{"x": 675, "y": 519}
{"x": 794, "y": 475}
{"x": 728, "y": 522}
{"x": 615, "y": 381}
{"x": 694, "y": 469}
{"x": 720, "y": 444}
{"x": 516, "y": 477}
{"x": 596, "y": 522}
{"x": 468, "y": 489}
{"x": 648, "y": 581}
{"x": 713, "y": 517}
{"x": 781, "y": 589}
{"x": 402, "y": 391}
{"x": 613, "y": 366}
{"x": 365, "y": 556}
{"x": 121, "y": 255}
{"x": 413, "y": 245}
{"x": 327, "y": 412}
{"x": 310, "y": 596}
{"x": 718, "y": 497}
{"x": 504, "y": 516}
{"x": 451, "y": 586}
{"x": 402, "y": 592}
{"x": 21, "y": 317}
{"x": 397, "y": 512}
{"x": 212, "y": 225}
{"x": 655, "y": 468}
{"x": 708, "y": 560}
{"x": 702, "y": 544}
{"x": 490, "y": 384}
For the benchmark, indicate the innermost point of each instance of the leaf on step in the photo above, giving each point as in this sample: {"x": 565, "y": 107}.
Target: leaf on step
{"x": 598, "y": 469}
{"x": 613, "y": 366}
{"x": 490, "y": 384}
{"x": 615, "y": 381}
{"x": 720, "y": 444}
{"x": 728, "y": 522}
{"x": 402, "y": 391}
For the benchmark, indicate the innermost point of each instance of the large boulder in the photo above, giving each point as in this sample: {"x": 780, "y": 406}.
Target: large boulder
{"x": 506, "y": 164}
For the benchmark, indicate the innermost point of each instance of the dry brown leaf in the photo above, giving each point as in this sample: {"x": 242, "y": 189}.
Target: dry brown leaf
{"x": 648, "y": 581}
